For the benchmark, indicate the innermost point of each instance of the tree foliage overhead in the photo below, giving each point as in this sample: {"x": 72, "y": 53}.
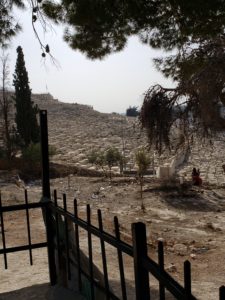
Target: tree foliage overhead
{"x": 8, "y": 24}
{"x": 99, "y": 27}
{"x": 193, "y": 31}
{"x": 26, "y": 111}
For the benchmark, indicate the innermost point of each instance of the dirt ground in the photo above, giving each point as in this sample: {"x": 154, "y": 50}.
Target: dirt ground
{"x": 191, "y": 222}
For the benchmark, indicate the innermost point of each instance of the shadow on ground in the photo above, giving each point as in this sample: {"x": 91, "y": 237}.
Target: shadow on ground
{"x": 43, "y": 292}
{"x": 195, "y": 201}
{"x": 34, "y": 292}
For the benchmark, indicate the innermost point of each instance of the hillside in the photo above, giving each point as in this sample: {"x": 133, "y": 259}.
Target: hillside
{"x": 76, "y": 129}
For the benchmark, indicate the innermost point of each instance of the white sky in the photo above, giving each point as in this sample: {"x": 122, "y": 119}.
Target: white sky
{"x": 109, "y": 85}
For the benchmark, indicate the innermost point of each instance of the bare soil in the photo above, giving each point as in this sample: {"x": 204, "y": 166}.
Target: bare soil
{"x": 189, "y": 220}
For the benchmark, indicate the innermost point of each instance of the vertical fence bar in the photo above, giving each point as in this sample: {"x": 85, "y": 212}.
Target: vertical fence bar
{"x": 187, "y": 279}
{"x": 3, "y": 234}
{"x": 28, "y": 228}
{"x": 44, "y": 154}
{"x": 57, "y": 230}
{"x": 161, "y": 267}
{"x": 67, "y": 240}
{"x": 77, "y": 246}
{"x": 222, "y": 292}
{"x": 46, "y": 194}
{"x": 90, "y": 253}
{"x": 104, "y": 262}
{"x": 140, "y": 251}
{"x": 120, "y": 260}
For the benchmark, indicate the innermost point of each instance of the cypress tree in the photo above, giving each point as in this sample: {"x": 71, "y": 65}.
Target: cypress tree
{"x": 26, "y": 121}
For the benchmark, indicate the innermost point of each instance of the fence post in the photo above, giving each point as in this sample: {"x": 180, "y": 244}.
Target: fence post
{"x": 187, "y": 279}
{"x": 222, "y": 292}
{"x": 140, "y": 251}
{"x": 46, "y": 194}
{"x": 44, "y": 154}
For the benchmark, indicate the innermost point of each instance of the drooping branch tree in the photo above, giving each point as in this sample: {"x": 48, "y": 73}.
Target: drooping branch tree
{"x": 26, "y": 111}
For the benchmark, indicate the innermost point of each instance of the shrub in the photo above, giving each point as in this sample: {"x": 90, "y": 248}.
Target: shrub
{"x": 112, "y": 157}
{"x": 97, "y": 158}
{"x": 32, "y": 153}
{"x": 142, "y": 161}
{"x": 132, "y": 111}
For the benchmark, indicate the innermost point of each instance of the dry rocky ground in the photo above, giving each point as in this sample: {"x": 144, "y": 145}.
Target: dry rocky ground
{"x": 191, "y": 224}
{"x": 189, "y": 221}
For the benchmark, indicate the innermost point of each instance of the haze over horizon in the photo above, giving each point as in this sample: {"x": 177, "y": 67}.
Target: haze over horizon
{"x": 109, "y": 85}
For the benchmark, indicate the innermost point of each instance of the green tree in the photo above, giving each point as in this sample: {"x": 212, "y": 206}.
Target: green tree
{"x": 112, "y": 157}
{"x": 97, "y": 158}
{"x": 32, "y": 153}
{"x": 143, "y": 161}
{"x": 93, "y": 157}
{"x": 100, "y": 159}
{"x": 26, "y": 111}
{"x": 132, "y": 111}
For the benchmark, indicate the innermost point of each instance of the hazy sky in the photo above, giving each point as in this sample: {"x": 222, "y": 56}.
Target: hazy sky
{"x": 109, "y": 85}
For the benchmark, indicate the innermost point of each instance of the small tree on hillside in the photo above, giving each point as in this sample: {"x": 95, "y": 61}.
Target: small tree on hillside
{"x": 132, "y": 111}
{"x": 32, "y": 153}
{"x": 100, "y": 159}
{"x": 143, "y": 162}
{"x": 26, "y": 111}
{"x": 112, "y": 157}
{"x": 92, "y": 157}
{"x": 97, "y": 158}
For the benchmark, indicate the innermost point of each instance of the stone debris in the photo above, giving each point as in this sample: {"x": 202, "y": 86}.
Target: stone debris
{"x": 171, "y": 268}
{"x": 180, "y": 249}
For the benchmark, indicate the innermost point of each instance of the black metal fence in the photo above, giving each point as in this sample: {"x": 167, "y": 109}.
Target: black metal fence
{"x": 29, "y": 246}
{"x": 138, "y": 251}
{"x": 144, "y": 266}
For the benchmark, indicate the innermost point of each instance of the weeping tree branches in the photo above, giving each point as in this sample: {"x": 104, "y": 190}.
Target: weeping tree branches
{"x": 197, "y": 99}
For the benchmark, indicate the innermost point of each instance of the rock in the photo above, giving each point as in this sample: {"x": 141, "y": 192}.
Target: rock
{"x": 193, "y": 256}
{"x": 200, "y": 250}
{"x": 180, "y": 249}
{"x": 94, "y": 196}
{"x": 171, "y": 268}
